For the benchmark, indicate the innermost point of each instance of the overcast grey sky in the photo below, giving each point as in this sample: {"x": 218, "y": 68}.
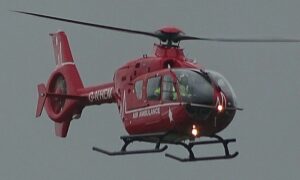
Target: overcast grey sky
{"x": 264, "y": 76}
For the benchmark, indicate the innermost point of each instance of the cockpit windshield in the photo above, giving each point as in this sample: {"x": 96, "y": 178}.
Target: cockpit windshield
{"x": 224, "y": 85}
{"x": 194, "y": 87}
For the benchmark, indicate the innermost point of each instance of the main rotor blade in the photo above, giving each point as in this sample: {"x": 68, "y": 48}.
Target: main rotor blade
{"x": 246, "y": 40}
{"x": 160, "y": 36}
{"x": 90, "y": 24}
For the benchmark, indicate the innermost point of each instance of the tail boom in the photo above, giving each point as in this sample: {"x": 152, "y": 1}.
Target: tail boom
{"x": 96, "y": 95}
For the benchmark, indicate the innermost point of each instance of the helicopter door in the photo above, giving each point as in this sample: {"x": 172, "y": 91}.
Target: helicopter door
{"x": 136, "y": 99}
{"x": 151, "y": 114}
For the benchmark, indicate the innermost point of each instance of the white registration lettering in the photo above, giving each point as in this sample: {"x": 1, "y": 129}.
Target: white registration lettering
{"x": 100, "y": 95}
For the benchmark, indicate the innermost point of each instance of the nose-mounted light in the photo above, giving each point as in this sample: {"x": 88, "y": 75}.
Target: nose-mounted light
{"x": 195, "y": 131}
{"x": 221, "y": 102}
{"x": 220, "y": 108}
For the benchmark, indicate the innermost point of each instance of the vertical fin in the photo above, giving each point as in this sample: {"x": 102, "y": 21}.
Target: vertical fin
{"x": 62, "y": 51}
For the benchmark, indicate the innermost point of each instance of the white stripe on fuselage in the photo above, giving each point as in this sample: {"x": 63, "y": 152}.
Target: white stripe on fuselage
{"x": 125, "y": 111}
{"x": 152, "y": 107}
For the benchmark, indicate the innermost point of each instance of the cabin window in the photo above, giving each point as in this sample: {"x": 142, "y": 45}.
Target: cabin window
{"x": 138, "y": 87}
{"x": 137, "y": 65}
{"x": 153, "y": 88}
{"x": 168, "y": 92}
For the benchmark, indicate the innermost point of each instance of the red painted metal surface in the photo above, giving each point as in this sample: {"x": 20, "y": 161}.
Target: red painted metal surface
{"x": 170, "y": 29}
{"x": 66, "y": 96}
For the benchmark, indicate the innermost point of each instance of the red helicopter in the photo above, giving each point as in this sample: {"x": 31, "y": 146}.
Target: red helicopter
{"x": 162, "y": 99}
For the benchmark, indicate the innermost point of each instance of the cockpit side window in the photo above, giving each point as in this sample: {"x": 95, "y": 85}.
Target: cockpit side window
{"x": 138, "y": 87}
{"x": 168, "y": 89}
{"x": 153, "y": 88}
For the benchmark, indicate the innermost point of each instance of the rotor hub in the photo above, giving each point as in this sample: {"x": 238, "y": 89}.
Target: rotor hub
{"x": 169, "y": 36}
{"x": 170, "y": 29}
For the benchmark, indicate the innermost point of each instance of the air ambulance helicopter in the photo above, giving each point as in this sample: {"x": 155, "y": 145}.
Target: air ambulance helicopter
{"x": 162, "y": 99}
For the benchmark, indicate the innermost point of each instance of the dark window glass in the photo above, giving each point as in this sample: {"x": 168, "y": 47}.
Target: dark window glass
{"x": 193, "y": 87}
{"x": 225, "y": 87}
{"x": 138, "y": 87}
{"x": 153, "y": 88}
{"x": 169, "y": 92}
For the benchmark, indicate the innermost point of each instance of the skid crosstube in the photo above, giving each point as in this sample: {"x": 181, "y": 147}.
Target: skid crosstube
{"x": 153, "y": 137}
{"x": 192, "y": 157}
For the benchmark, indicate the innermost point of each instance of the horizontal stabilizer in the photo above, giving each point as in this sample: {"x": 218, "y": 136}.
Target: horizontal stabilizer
{"x": 41, "y": 99}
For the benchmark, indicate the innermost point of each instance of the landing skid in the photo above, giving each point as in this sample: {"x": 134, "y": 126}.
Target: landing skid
{"x": 158, "y": 138}
{"x": 154, "y": 138}
{"x": 192, "y": 157}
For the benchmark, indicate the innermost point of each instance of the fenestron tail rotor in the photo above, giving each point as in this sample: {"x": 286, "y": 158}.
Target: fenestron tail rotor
{"x": 168, "y": 34}
{"x": 59, "y": 86}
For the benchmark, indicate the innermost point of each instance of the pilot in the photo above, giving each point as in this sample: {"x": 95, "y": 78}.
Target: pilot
{"x": 172, "y": 95}
{"x": 157, "y": 92}
{"x": 184, "y": 86}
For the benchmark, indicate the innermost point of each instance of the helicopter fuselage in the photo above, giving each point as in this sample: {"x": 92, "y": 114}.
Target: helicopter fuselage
{"x": 142, "y": 113}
